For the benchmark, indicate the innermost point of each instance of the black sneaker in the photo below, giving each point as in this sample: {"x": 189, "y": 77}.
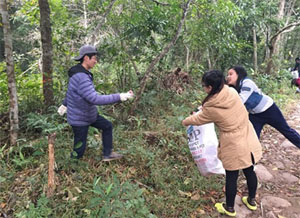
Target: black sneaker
{"x": 112, "y": 156}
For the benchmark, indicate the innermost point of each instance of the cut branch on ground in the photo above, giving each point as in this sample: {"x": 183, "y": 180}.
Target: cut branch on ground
{"x": 51, "y": 176}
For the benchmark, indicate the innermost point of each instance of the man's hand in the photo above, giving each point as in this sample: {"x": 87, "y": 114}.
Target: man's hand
{"x": 127, "y": 95}
{"x": 62, "y": 110}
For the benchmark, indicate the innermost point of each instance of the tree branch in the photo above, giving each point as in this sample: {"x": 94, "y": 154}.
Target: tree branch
{"x": 102, "y": 21}
{"x": 159, "y": 3}
{"x": 160, "y": 56}
{"x": 285, "y": 29}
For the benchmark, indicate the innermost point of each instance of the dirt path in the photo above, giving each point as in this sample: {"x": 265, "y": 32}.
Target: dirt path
{"x": 278, "y": 172}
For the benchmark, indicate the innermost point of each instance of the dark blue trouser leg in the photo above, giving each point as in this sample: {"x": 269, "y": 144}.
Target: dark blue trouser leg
{"x": 257, "y": 123}
{"x": 80, "y": 137}
{"x": 279, "y": 123}
{"x": 107, "y": 137}
{"x": 274, "y": 118}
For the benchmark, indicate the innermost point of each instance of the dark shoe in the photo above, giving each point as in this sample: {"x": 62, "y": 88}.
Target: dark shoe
{"x": 112, "y": 156}
{"x": 223, "y": 209}
{"x": 250, "y": 203}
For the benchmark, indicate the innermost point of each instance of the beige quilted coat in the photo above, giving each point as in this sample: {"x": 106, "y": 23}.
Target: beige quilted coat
{"x": 237, "y": 137}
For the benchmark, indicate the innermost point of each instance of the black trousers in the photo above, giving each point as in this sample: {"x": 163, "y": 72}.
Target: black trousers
{"x": 81, "y": 133}
{"x": 231, "y": 184}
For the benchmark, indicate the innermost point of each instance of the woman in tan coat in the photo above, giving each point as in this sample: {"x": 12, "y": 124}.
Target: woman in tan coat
{"x": 239, "y": 147}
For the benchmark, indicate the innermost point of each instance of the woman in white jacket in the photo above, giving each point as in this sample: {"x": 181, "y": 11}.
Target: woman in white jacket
{"x": 262, "y": 109}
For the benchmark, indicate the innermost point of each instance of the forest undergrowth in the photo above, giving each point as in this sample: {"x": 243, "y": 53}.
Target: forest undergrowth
{"x": 156, "y": 178}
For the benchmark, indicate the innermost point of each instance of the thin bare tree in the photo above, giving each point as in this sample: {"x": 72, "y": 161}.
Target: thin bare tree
{"x": 101, "y": 23}
{"x": 255, "y": 65}
{"x": 11, "y": 78}
{"x": 274, "y": 41}
{"x": 158, "y": 57}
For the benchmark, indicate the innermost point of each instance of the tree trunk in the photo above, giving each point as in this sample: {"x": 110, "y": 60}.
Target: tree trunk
{"x": 187, "y": 64}
{"x": 290, "y": 11}
{"x": 12, "y": 88}
{"x": 85, "y": 21}
{"x": 208, "y": 60}
{"x": 51, "y": 176}
{"x": 255, "y": 65}
{"x": 267, "y": 34}
{"x": 46, "y": 37}
{"x": 270, "y": 61}
{"x": 280, "y": 16}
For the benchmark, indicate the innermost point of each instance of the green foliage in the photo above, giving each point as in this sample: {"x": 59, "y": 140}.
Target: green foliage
{"x": 20, "y": 161}
{"x": 278, "y": 87}
{"x": 115, "y": 199}
{"x": 41, "y": 209}
{"x": 3, "y": 88}
{"x": 157, "y": 177}
{"x": 29, "y": 88}
{"x": 211, "y": 28}
{"x": 25, "y": 154}
{"x": 45, "y": 123}
{"x": 31, "y": 10}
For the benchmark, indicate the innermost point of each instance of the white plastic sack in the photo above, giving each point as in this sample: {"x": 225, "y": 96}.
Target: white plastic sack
{"x": 295, "y": 74}
{"x": 203, "y": 144}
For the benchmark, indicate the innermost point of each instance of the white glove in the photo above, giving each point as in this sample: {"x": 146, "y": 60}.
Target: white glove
{"x": 62, "y": 110}
{"x": 126, "y": 96}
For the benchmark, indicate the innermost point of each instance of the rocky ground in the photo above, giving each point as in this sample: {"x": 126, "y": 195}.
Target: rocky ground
{"x": 278, "y": 172}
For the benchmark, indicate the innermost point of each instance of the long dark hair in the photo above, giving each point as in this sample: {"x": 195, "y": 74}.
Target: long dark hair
{"x": 216, "y": 80}
{"x": 242, "y": 74}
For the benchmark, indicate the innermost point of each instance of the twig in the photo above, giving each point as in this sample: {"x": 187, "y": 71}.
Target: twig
{"x": 161, "y": 3}
{"x": 285, "y": 29}
{"x": 139, "y": 183}
{"x": 262, "y": 209}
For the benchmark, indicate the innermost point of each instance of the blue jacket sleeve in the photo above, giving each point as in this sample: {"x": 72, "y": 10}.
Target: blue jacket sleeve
{"x": 87, "y": 91}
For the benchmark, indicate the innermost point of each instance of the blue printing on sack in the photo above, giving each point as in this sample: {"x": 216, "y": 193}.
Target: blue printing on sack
{"x": 190, "y": 130}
